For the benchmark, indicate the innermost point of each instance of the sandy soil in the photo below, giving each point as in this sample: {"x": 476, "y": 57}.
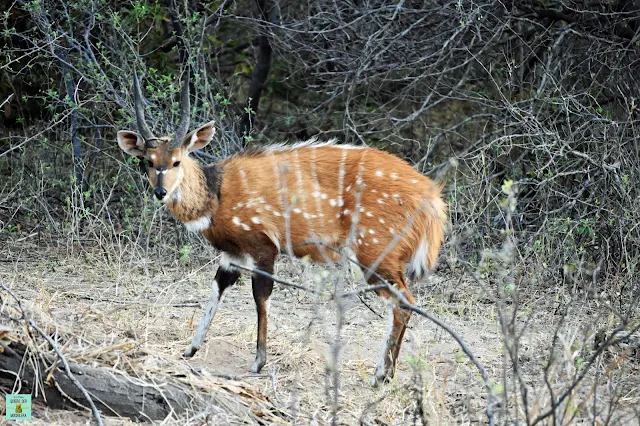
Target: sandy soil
{"x": 134, "y": 301}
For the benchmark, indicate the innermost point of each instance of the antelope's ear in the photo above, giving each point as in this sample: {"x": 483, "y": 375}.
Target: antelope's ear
{"x": 200, "y": 137}
{"x": 131, "y": 143}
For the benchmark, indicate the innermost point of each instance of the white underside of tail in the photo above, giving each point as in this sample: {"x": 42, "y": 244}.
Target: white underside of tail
{"x": 417, "y": 266}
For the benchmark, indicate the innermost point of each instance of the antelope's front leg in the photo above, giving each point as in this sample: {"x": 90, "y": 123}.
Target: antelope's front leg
{"x": 224, "y": 278}
{"x": 262, "y": 287}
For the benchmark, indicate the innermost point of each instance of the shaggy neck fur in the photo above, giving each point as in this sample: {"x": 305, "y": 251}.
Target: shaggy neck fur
{"x": 196, "y": 196}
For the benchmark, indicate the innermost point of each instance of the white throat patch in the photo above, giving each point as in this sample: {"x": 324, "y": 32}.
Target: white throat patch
{"x": 199, "y": 224}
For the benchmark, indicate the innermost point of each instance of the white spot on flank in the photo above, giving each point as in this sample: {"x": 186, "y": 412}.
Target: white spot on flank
{"x": 332, "y": 202}
{"x": 348, "y": 188}
{"x": 346, "y": 211}
{"x": 394, "y": 176}
{"x": 379, "y": 173}
{"x": 324, "y": 196}
{"x": 362, "y": 209}
{"x": 199, "y": 224}
{"x": 256, "y": 220}
{"x": 371, "y": 231}
{"x": 297, "y": 211}
{"x": 243, "y": 260}
{"x": 374, "y": 190}
{"x": 414, "y": 180}
{"x": 369, "y": 214}
{"x": 392, "y": 230}
{"x": 276, "y": 213}
{"x": 381, "y": 220}
{"x": 375, "y": 240}
{"x": 385, "y": 195}
{"x": 380, "y": 201}
{"x": 306, "y": 215}
{"x": 268, "y": 207}
{"x": 396, "y": 195}
{"x": 236, "y": 221}
{"x": 315, "y": 194}
{"x": 359, "y": 241}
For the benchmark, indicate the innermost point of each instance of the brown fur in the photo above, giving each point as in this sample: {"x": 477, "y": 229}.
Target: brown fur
{"x": 409, "y": 193}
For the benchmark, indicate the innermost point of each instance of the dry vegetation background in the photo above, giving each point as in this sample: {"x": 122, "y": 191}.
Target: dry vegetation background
{"x": 528, "y": 111}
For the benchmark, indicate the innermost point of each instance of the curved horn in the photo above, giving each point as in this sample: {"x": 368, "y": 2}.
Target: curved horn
{"x": 143, "y": 128}
{"x": 185, "y": 112}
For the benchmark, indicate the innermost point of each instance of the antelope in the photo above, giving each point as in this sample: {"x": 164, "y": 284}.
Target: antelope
{"x": 255, "y": 205}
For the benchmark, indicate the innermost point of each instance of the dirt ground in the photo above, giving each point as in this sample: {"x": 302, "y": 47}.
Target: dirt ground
{"x": 140, "y": 301}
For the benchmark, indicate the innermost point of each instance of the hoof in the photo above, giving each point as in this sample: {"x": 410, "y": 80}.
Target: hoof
{"x": 376, "y": 380}
{"x": 256, "y": 367}
{"x": 189, "y": 352}
{"x": 380, "y": 377}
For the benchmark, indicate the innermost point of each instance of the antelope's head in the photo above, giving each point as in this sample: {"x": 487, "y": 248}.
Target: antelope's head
{"x": 164, "y": 155}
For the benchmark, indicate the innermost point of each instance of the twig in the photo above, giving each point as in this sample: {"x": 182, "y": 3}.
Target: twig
{"x": 6, "y": 100}
{"x": 67, "y": 369}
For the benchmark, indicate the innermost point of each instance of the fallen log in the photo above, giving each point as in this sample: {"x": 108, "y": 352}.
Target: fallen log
{"x": 113, "y": 392}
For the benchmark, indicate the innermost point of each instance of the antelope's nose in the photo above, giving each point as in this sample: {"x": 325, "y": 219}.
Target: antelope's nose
{"x": 160, "y": 192}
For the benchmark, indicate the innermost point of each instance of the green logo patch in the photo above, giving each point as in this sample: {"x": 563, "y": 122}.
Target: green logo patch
{"x": 18, "y": 407}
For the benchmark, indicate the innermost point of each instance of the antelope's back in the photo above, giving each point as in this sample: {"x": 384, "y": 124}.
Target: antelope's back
{"x": 318, "y": 191}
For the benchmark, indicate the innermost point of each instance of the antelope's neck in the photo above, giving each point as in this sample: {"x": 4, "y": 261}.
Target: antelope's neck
{"x": 195, "y": 199}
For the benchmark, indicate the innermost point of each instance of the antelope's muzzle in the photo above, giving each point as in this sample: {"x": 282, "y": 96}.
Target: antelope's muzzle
{"x": 160, "y": 191}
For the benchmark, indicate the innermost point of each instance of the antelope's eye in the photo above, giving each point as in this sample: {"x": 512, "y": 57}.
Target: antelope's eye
{"x": 176, "y": 164}
{"x": 150, "y": 163}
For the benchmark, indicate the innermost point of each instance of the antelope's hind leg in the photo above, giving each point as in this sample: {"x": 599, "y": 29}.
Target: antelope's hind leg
{"x": 224, "y": 278}
{"x": 398, "y": 319}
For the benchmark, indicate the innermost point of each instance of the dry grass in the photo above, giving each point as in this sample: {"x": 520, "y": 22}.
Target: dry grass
{"x": 138, "y": 316}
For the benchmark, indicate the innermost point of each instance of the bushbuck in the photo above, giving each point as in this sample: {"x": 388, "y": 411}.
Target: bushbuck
{"x": 254, "y": 205}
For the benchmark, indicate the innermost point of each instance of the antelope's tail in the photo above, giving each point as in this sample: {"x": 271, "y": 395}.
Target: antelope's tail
{"x": 426, "y": 253}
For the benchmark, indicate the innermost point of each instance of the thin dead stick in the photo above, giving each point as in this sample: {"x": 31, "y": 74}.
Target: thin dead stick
{"x": 67, "y": 369}
{"x": 140, "y": 303}
{"x": 6, "y": 100}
